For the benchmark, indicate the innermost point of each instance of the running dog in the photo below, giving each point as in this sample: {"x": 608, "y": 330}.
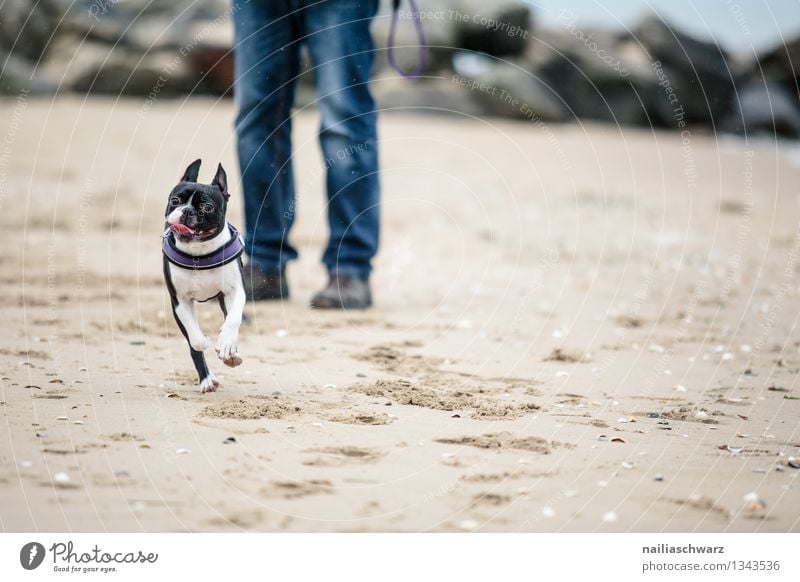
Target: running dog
{"x": 202, "y": 261}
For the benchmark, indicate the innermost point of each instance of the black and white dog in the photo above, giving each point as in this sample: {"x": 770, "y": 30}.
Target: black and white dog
{"x": 202, "y": 261}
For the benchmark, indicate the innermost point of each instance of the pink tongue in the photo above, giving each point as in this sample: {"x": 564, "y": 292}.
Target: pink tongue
{"x": 181, "y": 229}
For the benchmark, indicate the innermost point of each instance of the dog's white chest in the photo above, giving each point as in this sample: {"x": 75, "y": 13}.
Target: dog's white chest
{"x": 200, "y": 285}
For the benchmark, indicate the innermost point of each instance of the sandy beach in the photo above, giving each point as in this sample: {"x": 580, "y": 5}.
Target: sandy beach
{"x": 577, "y": 328}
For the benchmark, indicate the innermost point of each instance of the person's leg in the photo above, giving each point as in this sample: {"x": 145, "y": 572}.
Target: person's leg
{"x": 267, "y": 60}
{"x": 340, "y": 47}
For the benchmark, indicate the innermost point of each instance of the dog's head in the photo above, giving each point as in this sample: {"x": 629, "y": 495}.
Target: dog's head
{"x": 196, "y": 212}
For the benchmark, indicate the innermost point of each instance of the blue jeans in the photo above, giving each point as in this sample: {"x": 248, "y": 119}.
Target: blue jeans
{"x": 269, "y": 35}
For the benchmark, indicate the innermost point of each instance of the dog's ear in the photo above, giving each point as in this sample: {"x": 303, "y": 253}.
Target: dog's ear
{"x": 192, "y": 171}
{"x": 221, "y": 180}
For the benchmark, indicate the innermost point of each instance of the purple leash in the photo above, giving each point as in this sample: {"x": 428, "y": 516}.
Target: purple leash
{"x": 422, "y": 61}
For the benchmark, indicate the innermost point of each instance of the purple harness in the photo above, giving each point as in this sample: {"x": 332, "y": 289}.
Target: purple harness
{"x": 228, "y": 252}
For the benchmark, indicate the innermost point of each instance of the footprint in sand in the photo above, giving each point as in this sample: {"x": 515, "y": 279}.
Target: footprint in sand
{"x": 251, "y": 408}
{"x": 362, "y": 418}
{"x": 409, "y": 393}
{"x": 346, "y": 455}
{"x": 505, "y": 440}
{"x": 296, "y": 489}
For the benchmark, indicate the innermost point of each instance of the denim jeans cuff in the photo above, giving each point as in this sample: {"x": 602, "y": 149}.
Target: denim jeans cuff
{"x": 359, "y": 271}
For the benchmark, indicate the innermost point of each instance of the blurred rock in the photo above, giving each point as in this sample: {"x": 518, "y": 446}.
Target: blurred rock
{"x": 26, "y": 27}
{"x": 596, "y": 75}
{"x": 497, "y": 28}
{"x": 17, "y": 77}
{"x": 698, "y": 72}
{"x": 782, "y": 64}
{"x": 506, "y": 88}
{"x": 93, "y": 67}
{"x": 764, "y": 108}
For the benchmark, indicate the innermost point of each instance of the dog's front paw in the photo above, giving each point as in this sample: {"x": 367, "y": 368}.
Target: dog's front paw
{"x": 209, "y": 383}
{"x": 227, "y": 347}
{"x": 200, "y": 344}
{"x": 233, "y": 360}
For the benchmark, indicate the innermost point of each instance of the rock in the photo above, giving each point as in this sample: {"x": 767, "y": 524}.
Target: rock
{"x": 497, "y": 29}
{"x": 103, "y": 69}
{"x": 764, "y": 108}
{"x": 507, "y": 88}
{"x": 16, "y": 77}
{"x": 597, "y": 75}
{"x": 701, "y": 74}
{"x": 26, "y": 27}
{"x": 780, "y": 64}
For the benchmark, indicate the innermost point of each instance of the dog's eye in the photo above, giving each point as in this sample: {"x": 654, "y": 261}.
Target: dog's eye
{"x": 174, "y": 201}
{"x": 206, "y": 208}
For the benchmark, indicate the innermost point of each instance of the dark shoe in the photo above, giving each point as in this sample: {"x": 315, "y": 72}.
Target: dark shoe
{"x": 343, "y": 292}
{"x": 260, "y": 284}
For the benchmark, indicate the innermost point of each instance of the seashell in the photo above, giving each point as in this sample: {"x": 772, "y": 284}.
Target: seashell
{"x": 548, "y": 512}
{"x": 610, "y": 517}
{"x": 679, "y": 388}
{"x": 61, "y": 477}
{"x": 754, "y": 503}
{"x": 628, "y": 465}
{"x": 618, "y": 440}
{"x": 182, "y": 451}
{"x": 62, "y": 418}
{"x": 793, "y": 462}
